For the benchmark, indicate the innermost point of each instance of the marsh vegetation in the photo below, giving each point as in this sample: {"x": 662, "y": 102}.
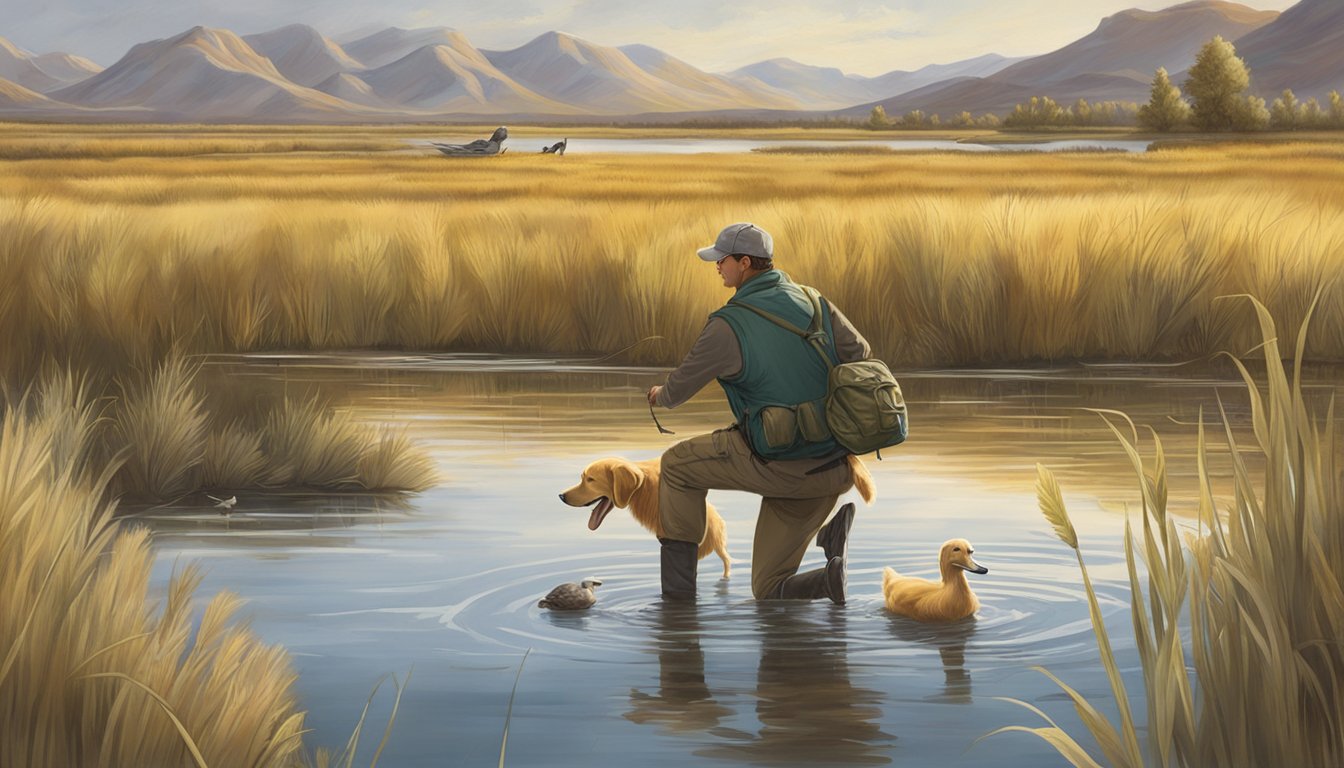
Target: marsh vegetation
{"x": 1237, "y": 621}
{"x": 134, "y": 254}
{"x": 943, "y": 260}
{"x": 89, "y": 675}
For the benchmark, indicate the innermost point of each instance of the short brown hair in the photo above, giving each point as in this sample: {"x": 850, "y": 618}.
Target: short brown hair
{"x": 757, "y": 263}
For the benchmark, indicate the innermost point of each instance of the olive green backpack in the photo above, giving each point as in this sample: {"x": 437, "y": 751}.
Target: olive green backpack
{"x": 864, "y": 407}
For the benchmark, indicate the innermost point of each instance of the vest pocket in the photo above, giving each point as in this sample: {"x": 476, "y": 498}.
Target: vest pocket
{"x": 779, "y": 425}
{"x": 812, "y": 421}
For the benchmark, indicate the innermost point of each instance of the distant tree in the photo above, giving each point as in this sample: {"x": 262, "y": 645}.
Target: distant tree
{"x": 964, "y": 120}
{"x": 988, "y": 120}
{"x": 913, "y": 119}
{"x": 1165, "y": 109}
{"x": 935, "y": 120}
{"x": 1082, "y": 112}
{"x": 1283, "y": 115}
{"x": 1126, "y": 113}
{"x": 1311, "y": 115}
{"x": 1336, "y": 118}
{"x": 1041, "y": 111}
{"x": 878, "y": 118}
{"x": 1216, "y": 83}
{"x": 1252, "y": 114}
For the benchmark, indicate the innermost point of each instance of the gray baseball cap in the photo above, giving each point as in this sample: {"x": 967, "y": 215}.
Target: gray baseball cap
{"x": 742, "y": 239}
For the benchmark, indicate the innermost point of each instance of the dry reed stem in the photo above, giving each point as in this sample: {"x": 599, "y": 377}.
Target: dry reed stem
{"x": 1262, "y": 586}
{"x": 61, "y": 562}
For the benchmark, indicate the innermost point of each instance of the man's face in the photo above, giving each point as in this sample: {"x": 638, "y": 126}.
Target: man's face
{"x": 731, "y": 269}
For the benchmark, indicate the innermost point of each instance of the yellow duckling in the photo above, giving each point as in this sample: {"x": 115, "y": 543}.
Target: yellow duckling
{"x": 924, "y": 600}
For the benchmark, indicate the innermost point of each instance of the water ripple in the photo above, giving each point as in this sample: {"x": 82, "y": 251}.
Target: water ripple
{"x": 1032, "y": 607}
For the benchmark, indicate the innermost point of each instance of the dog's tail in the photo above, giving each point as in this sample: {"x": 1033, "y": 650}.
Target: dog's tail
{"x": 889, "y": 576}
{"x": 863, "y": 481}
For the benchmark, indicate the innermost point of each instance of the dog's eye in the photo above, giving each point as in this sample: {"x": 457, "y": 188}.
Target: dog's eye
{"x": 956, "y": 549}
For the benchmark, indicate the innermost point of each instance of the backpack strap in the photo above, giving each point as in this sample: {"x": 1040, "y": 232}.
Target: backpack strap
{"x": 814, "y": 335}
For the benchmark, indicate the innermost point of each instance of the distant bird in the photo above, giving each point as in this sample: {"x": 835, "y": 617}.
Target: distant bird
{"x": 492, "y": 146}
{"x": 571, "y": 596}
{"x": 225, "y": 506}
{"x": 557, "y": 148}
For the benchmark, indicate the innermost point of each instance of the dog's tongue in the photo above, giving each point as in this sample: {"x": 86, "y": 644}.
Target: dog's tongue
{"x": 600, "y": 512}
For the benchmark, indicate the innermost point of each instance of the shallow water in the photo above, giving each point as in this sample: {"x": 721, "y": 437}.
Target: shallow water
{"x": 731, "y": 146}
{"x": 445, "y": 583}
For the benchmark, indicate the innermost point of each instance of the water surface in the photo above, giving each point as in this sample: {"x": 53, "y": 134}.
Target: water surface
{"x": 649, "y": 146}
{"x": 446, "y": 582}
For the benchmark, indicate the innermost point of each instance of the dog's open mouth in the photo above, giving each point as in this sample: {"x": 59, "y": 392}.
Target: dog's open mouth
{"x": 599, "y": 513}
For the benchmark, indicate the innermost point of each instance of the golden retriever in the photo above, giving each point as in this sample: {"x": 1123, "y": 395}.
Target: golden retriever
{"x": 617, "y": 482}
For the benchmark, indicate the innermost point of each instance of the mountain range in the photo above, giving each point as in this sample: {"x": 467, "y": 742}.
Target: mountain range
{"x": 1115, "y": 62}
{"x": 295, "y": 73}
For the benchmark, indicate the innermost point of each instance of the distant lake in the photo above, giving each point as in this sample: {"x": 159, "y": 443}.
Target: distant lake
{"x": 731, "y": 146}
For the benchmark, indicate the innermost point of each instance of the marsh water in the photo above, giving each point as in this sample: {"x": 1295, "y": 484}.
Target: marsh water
{"x": 444, "y": 585}
{"x": 730, "y": 146}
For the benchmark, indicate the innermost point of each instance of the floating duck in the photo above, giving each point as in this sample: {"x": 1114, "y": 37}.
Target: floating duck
{"x": 924, "y": 600}
{"x": 480, "y": 147}
{"x": 571, "y": 596}
{"x": 225, "y": 506}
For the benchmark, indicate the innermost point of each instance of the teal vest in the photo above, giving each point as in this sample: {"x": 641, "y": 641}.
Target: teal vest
{"x": 780, "y": 371}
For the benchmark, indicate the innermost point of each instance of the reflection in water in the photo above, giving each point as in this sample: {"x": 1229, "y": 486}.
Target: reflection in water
{"x": 810, "y": 711}
{"x": 950, "y": 639}
{"x": 993, "y": 426}
{"x": 272, "y": 520}
{"x": 683, "y": 703}
{"x": 808, "y": 708}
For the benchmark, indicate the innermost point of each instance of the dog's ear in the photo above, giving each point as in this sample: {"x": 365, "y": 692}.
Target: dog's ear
{"x": 625, "y": 480}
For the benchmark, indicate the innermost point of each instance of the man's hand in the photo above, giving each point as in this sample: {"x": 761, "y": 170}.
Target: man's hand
{"x": 653, "y": 394}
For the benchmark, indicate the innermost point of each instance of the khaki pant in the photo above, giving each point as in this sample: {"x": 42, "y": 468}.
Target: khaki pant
{"x": 794, "y": 505}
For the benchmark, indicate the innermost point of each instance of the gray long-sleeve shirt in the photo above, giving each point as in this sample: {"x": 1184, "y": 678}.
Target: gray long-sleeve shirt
{"x": 717, "y": 354}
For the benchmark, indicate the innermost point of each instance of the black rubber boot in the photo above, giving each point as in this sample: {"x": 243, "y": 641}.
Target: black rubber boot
{"x": 678, "y": 569}
{"x": 826, "y": 582}
{"x": 833, "y": 538}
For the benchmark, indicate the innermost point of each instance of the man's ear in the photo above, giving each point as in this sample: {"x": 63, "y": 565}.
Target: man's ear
{"x": 626, "y": 478}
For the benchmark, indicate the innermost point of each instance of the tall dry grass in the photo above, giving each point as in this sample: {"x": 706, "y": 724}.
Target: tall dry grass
{"x": 159, "y": 431}
{"x": 1252, "y": 601}
{"x": 939, "y": 259}
{"x": 170, "y": 443}
{"x": 160, "y": 427}
{"x": 138, "y": 685}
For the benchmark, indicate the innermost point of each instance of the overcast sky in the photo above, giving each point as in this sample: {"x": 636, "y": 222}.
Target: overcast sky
{"x": 867, "y": 37}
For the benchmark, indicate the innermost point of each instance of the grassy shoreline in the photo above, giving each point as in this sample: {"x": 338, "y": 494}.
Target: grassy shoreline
{"x": 118, "y": 681}
{"x": 12, "y": 129}
{"x": 941, "y": 260}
